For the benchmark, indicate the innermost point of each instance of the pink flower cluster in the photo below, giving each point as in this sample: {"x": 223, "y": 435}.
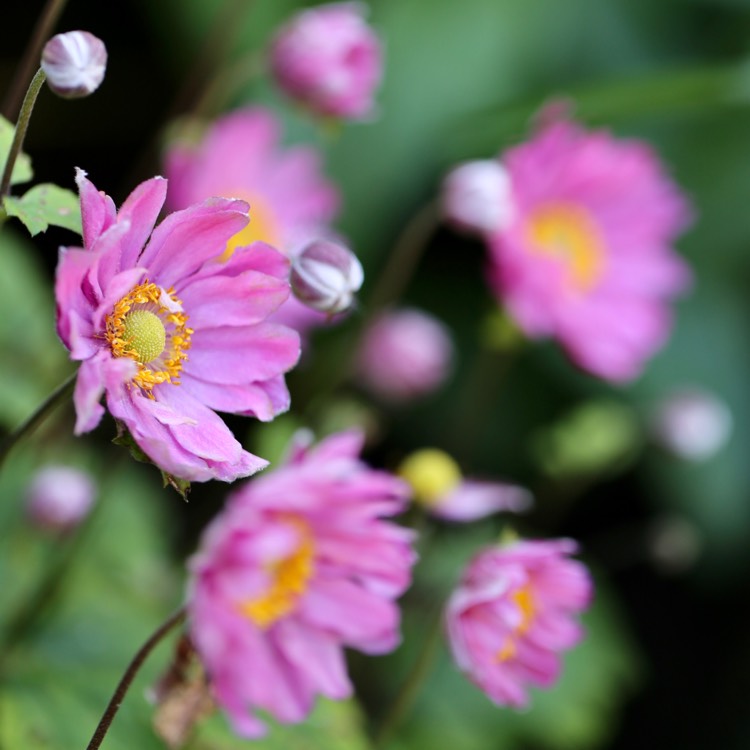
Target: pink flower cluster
{"x": 168, "y": 334}
{"x": 299, "y": 566}
{"x": 514, "y": 612}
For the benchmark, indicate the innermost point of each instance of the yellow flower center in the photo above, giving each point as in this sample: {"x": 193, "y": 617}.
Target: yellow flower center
{"x": 290, "y": 576}
{"x": 148, "y": 326}
{"x": 263, "y": 226}
{"x": 569, "y": 233}
{"x": 525, "y": 602}
{"x": 431, "y": 473}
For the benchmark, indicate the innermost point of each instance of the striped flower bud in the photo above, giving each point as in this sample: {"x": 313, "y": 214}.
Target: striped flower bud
{"x": 74, "y": 63}
{"x": 326, "y": 276}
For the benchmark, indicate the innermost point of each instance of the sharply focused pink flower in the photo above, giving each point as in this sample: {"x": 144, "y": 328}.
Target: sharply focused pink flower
{"x": 587, "y": 258}
{"x": 514, "y": 612}
{"x": 404, "y": 354}
{"x": 438, "y": 485}
{"x": 239, "y": 156}
{"x": 329, "y": 59}
{"x": 168, "y": 334}
{"x": 299, "y": 566}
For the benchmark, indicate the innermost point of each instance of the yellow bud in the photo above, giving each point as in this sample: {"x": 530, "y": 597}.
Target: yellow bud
{"x": 432, "y": 473}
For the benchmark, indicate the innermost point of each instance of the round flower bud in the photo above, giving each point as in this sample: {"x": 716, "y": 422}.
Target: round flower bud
{"x": 59, "y": 497}
{"x": 329, "y": 59}
{"x": 325, "y": 276}
{"x": 404, "y": 354}
{"x": 692, "y": 424}
{"x": 74, "y": 63}
{"x": 476, "y": 197}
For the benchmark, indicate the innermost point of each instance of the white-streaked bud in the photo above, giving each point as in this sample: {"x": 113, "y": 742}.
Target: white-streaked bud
{"x": 326, "y": 276}
{"x": 74, "y": 63}
{"x": 59, "y": 497}
{"x": 476, "y": 197}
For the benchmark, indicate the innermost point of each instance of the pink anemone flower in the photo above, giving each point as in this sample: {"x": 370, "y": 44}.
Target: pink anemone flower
{"x": 299, "y": 566}
{"x": 587, "y": 256}
{"x": 168, "y": 334}
{"x": 513, "y": 613}
{"x": 291, "y": 202}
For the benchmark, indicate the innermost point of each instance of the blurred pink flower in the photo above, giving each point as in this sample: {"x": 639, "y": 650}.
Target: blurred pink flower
{"x": 514, "y": 612}
{"x": 437, "y": 484}
{"x": 329, "y": 59}
{"x": 404, "y": 354}
{"x": 588, "y": 257}
{"x": 298, "y": 567}
{"x": 291, "y": 203}
{"x": 58, "y": 498}
{"x": 168, "y": 334}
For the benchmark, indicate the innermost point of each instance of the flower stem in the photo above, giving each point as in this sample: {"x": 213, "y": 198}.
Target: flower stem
{"x": 413, "y": 683}
{"x": 404, "y": 257}
{"x": 54, "y": 399}
{"x": 21, "y": 126}
{"x": 42, "y": 31}
{"x": 122, "y": 688}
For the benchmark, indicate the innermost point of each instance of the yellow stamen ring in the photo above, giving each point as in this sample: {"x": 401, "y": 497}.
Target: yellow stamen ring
{"x": 142, "y": 328}
{"x": 568, "y": 232}
{"x": 290, "y": 578}
{"x": 524, "y": 599}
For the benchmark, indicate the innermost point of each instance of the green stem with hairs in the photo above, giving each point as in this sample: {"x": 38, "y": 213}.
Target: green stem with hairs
{"x": 21, "y": 127}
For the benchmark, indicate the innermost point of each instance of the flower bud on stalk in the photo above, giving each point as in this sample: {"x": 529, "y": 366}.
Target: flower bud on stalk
{"x": 326, "y": 276}
{"x": 74, "y": 63}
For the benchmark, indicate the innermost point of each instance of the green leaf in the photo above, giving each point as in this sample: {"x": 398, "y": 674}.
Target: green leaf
{"x": 44, "y": 205}
{"x": 22, "y": 171}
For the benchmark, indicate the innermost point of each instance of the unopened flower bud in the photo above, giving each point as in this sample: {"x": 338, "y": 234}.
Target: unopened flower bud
{"x": 74, "y": 63}
{"x": 59, "y": 497}
{"x": 476, "y": 197}
{"x": 326, "y": 276}
{"x": 692, "y": 423}
{"x": 404, "y": 354}
{"x": 329, "y": 59}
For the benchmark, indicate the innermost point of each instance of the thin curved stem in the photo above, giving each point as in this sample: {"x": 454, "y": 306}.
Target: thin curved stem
{"x": 54, "y": 399}
{"x": 21, "y": 126}
{"x": 409, "y": 690}
{"x": 130, "y": 673}
{"x": 42, "y": 31}
{"x": 405, "y": 256}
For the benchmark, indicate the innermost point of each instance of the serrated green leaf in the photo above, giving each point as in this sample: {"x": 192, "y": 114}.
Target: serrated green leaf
{"x": 22, "y": 171}
{"x": 44, "y": 205}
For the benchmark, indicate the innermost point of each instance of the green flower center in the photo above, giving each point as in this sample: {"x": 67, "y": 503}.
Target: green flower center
{"x": 145, "y": 334}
